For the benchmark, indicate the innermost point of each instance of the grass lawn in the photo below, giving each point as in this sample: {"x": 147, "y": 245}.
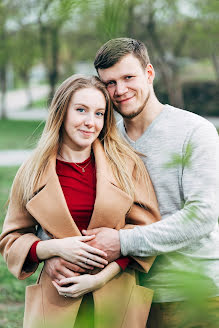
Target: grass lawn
{"x": 7, "y": 175}
{"x": 16, "y": 134}
{"x": 11, "y": 289}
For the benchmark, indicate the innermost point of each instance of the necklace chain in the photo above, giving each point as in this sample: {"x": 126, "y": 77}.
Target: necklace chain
{"x": 81, "y": 167}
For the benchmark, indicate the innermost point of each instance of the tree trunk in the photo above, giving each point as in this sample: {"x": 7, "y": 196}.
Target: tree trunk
{"x": 26, "y": 79}
{"x": 215, "y": 60}
{"x": 53, "y": 72}
{"x": 3, "y": 112}
{"x": 170, "y": 79}
{"x": 176, "y": 91}
{"x": 49, "y": 42}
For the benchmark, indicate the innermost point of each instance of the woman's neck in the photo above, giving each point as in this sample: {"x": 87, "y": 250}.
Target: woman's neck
{"x": 73, "y": 156}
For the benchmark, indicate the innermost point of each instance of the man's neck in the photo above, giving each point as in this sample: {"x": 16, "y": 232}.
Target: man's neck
{"x": 136, "y": 126}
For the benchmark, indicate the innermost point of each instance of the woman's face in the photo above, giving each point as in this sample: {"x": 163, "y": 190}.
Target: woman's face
{"x": 84, "y": 118}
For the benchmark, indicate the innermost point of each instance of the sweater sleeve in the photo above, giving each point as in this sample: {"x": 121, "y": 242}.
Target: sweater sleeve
{"x": 199, "y": 213}
{"x": 32, "y": 255}
{"x": 123, "y": 262}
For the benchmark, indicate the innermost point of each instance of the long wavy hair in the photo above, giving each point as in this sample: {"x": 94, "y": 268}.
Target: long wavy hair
{"x": 116, "y": 148}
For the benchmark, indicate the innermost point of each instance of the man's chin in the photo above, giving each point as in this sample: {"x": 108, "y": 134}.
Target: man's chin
{"x": 129, "y": 115}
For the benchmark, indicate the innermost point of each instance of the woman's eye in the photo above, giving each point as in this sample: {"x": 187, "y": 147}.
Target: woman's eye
{"x": 80, "y": 110}
{"x": 128, "y": 77}
{"x": 100, "y": 114}
{"x": 110, "y": 83}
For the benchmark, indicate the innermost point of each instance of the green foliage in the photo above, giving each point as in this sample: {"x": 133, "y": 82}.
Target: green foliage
{"x": 11, "y": 289}
{"x": 25, "y": 52}
{"x": 181, "y": 160}
{"x": 11, "y": 315}
{"x": 112, "y": 21}
{"x": 7, "y": 175}
{"x": 40, "y": 103}
{"x": 19, "y": 134}
{"x": 201, "y": 98}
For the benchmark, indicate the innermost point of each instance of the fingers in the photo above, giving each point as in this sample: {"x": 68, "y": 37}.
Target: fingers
{"x": 58, "y": 277}
{"x": 67, "y": 281}
{"x": 87, "y": 259}
{"x": 67, "y": 269}
{"x": 91, "y": 232}
{"x": 94, "y": 250}
{"x": 86, "y": 238}
{"x": 58, "y": 268}
{"x": 65, "y": 291}
{"x": 75, "y": 267}
{"x": 66, "y": 273}
{"x": 92, "y": 259}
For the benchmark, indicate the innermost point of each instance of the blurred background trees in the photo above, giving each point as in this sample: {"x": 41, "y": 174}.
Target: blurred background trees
{"x": 44, "y": 41}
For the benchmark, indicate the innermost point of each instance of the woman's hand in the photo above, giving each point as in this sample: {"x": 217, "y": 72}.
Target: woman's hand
{"x": 78, "y": 286}
{"x": 73, "y": 249}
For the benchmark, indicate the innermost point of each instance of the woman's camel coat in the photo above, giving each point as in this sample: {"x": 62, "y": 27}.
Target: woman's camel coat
{"x": 121, "y": 301}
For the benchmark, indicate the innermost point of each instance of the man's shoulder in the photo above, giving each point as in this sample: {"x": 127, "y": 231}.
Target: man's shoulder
{"x": 187, "y": 119}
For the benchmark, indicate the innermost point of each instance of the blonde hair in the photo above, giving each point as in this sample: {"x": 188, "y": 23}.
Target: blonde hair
{"x": 116, "y": 148}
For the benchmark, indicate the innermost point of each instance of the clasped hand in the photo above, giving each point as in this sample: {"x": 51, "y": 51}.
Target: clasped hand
{"x": 77, "y": 251}
{"x": 78, "y": 285}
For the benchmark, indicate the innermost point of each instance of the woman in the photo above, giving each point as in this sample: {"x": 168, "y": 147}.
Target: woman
{"x": 81, "y": 168}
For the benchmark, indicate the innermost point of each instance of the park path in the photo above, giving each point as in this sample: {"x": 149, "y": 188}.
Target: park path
{"x": 15, "y": 101}
{"x": 16, "y": 157}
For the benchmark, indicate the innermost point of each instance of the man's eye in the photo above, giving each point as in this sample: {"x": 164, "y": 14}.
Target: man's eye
{"x": 80, "y": 110}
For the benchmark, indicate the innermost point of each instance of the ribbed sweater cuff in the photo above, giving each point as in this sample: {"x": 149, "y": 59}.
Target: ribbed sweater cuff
{"x": 126, "y": 237}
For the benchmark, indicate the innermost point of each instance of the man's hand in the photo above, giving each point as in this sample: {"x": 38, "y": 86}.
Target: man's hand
{"x": 58, "y": 268}
{"x": 107, "y": 240}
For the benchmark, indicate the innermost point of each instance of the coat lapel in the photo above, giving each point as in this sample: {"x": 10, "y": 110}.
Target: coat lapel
{"x": 49, "y": 206}
{"x": 111, "y": 204}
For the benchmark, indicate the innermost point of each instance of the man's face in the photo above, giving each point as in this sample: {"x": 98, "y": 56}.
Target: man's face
{"x": 128, "y": 85}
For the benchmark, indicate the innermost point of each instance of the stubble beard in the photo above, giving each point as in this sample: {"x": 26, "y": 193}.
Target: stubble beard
{"x": 136, "y": 113}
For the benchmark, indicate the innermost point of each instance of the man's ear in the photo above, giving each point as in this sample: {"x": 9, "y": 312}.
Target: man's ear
{"x": 150, "y": 73}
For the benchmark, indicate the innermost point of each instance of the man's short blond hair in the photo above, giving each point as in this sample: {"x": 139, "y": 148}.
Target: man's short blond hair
{"x": 115, "y": 49}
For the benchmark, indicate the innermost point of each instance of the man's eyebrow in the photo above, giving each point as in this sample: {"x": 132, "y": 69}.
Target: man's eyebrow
{"x": 121, "y": 77}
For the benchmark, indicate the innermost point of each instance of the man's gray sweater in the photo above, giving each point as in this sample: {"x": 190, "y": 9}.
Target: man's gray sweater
{"x": 181, "y": 155}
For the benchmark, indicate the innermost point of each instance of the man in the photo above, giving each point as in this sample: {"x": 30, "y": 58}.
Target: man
{"x": 181, "y": 155}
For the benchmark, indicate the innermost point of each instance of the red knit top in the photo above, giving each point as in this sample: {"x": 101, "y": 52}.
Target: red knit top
{"x": 79, "y": 189}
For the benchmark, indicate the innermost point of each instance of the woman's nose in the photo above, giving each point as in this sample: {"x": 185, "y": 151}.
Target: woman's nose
{"x": 89, "y": 120}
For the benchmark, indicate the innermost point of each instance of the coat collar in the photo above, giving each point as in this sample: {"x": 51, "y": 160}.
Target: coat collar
{"x": 49, "y": 207}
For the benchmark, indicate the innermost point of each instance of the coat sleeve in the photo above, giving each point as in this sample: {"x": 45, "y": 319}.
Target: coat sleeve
{"x": 144, "y": 211}
{"x": 18, "y": 235}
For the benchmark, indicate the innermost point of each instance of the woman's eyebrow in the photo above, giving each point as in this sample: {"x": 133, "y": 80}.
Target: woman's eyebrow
{"x": 78, "y": 104}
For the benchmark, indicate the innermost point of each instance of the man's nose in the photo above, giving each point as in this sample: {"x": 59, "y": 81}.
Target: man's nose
{"x": 121, "y": 88}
